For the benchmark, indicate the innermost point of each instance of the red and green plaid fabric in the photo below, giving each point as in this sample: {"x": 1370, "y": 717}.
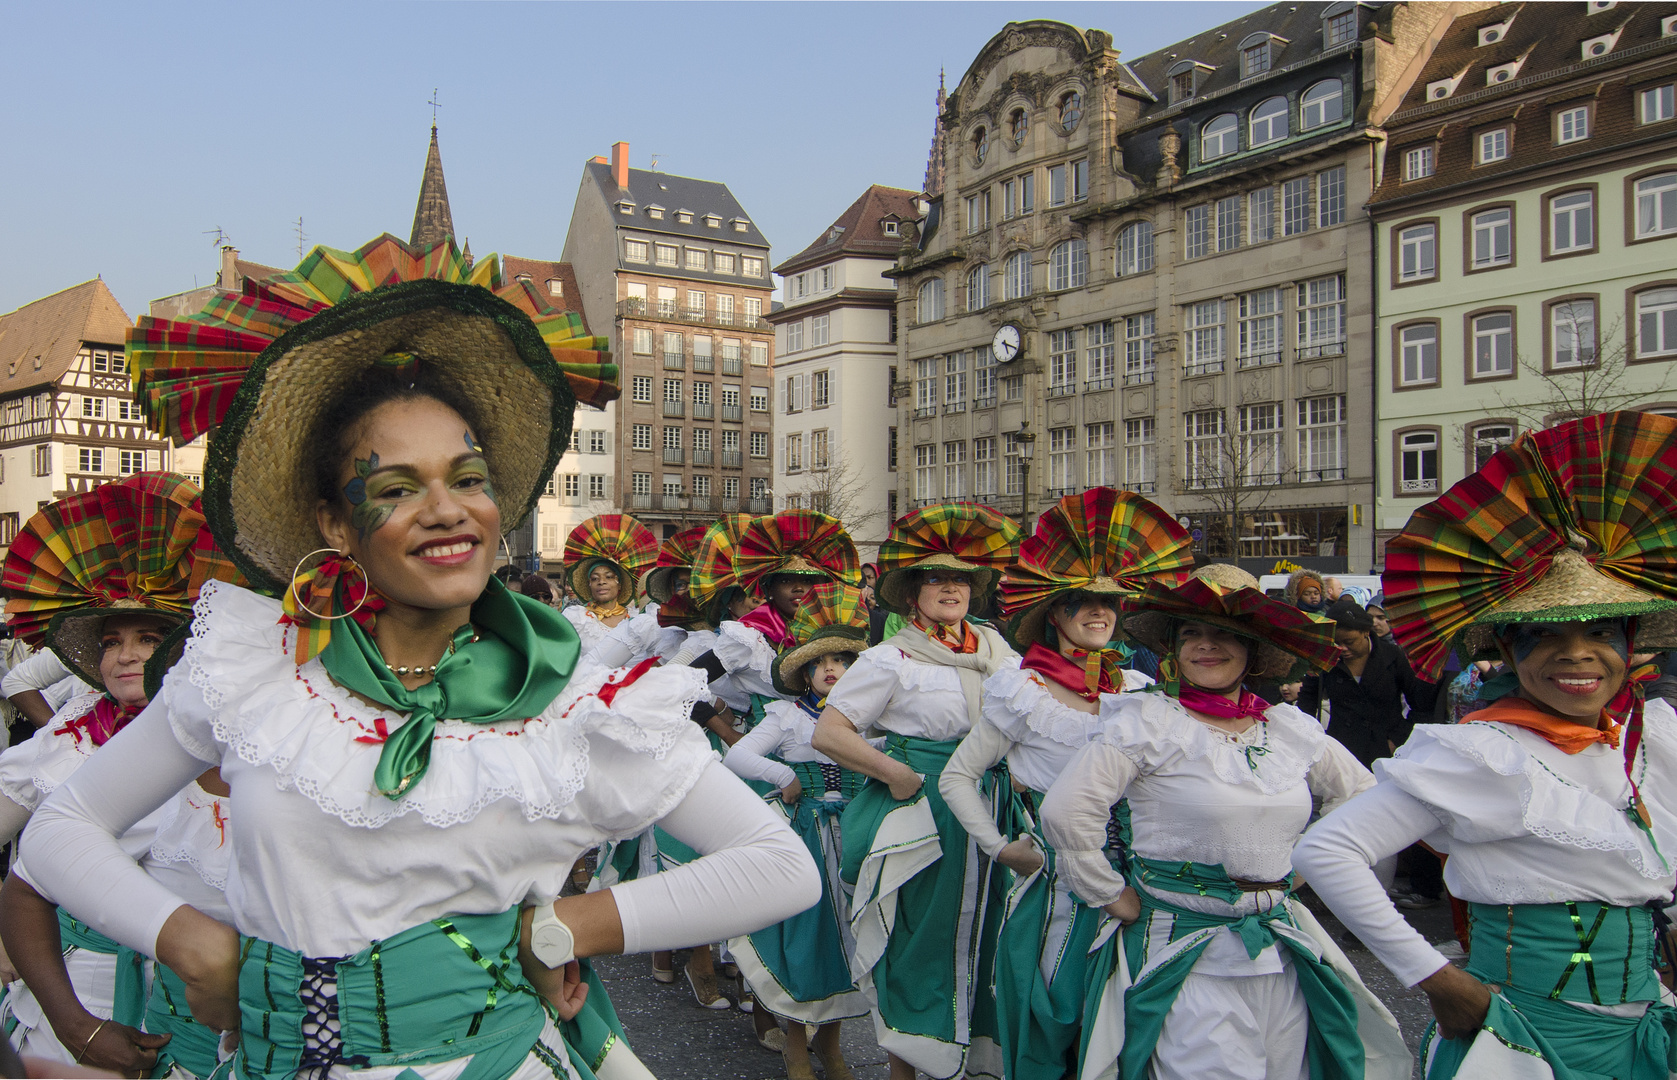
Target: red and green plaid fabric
{"x": 617, "y": 538}
{"x": 769, "y": 543}
{"x": 713, "y": 565}
{"x": 1611, "y": 478}
{"x": 829, "y": 604}
{"x": 971, "y": 532}
{"x": 682, "y": 612}
{"x": 186, "y": 371}
{"x": 1275, "y": 621}
{"x": 679, "y": 550}
{"x": 1102, "y": 532}
{"x": 139, "y": 538}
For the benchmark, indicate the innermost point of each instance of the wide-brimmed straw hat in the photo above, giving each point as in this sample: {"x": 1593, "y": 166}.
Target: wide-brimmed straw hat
{"x": 1286, "y": 641}
{"x": 796, "y": 543}
{"x": 1103, "y": 542}
{"x": 714, "y": 581}
{"x": 830, "y": 620}
{"x": 969, "y": 537}
{"x": 262, "y": 367}
{"x": 1572, "y": 523}
{"x": 136, "y": 546}
{"x": 675, "y": 556}
{"x": 616, "y": 540}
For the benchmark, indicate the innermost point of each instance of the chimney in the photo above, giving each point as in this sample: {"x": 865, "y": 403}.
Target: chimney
{"x": 620, "y": 164}
{"x": 228, "y": 276}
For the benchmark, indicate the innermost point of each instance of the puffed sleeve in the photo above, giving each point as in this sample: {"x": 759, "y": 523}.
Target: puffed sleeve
{"x": 866, "y": 687}
{"x": 1074, "y": 816}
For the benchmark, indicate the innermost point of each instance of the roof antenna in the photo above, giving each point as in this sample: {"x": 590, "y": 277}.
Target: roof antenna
{"x": 221, "y": 238}
{"x": 654, "y": 163}
{"x": 297, "y": 227}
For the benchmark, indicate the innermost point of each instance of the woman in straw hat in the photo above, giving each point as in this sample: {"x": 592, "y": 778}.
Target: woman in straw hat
{"x": 104, "y": 577}
{"x": 920, "y": 885}
{"x": 1089, "y": 551}
{"x": 1557, "y": 802}
{"x": 1218, "y": 972}
{"x": 415, "y": 759}
{"x": 670, "y": 627}
{"x": 800, "y": 968}
{"x": 604, "y": 557}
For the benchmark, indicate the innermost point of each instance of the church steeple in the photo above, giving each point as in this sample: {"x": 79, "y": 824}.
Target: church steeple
{"x": 432, "y": 222}
{"x": 934, "y": 161}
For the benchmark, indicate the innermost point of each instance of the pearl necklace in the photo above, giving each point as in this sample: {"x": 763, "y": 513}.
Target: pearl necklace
{"x": 403, "y": 670}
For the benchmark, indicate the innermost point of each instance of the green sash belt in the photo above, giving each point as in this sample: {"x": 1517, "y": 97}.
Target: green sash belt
{"x": 447, "y": 989}
{"x": 815, "y": 784}
{"x": 1334, "y": 1049}
{"x": 874, "y": 801}
{"x": 128, "y": 996}
{"x": 192, "y": 1046}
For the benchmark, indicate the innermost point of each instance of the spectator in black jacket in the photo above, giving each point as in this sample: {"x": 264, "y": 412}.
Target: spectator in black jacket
{"x": 1367, "y": 690}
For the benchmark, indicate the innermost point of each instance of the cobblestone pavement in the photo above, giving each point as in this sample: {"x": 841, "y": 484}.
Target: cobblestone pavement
{"x": 680, "y": 1041}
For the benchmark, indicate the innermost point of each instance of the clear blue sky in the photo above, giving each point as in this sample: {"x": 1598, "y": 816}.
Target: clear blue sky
{"x": 128, "y": 130}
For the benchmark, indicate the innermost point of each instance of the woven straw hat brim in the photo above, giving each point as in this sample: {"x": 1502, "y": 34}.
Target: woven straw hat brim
{"x": 579, "y": 580}
{"x": 789, "y": 677}
{"x": 259, "y": 492}
{"x": 1153, "y": 629}
{"x": 894, "y": 584}
{"x": 1573, "y": 590}
{"x": 1031, "y": 626}
{"x": 659, "y": 582}
{"x": 75, "y": 634}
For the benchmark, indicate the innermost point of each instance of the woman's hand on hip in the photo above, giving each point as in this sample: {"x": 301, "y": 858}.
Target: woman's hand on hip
{"x": 1127, "y": 908}
{"x": 1458, "y": 1000}
{"x": 205, "y": 954}
{"x": 1022, "y": 856}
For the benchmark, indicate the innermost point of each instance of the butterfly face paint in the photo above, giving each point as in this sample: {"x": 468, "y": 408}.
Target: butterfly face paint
{"x": 1522, "y": 638}
{"x": 368, "y": 513}
{"x": 477, "y": 448}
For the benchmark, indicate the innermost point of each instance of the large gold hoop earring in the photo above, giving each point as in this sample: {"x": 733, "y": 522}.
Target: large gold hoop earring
{"x": 350, "y": 559}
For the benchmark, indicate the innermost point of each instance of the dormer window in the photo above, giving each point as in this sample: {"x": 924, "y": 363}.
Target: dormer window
{"x": 1504, "y": 73}
{"x": 1600, "y": 46}
{"x": 684, "y": 217}
{"x": 555, "y": 287}
{"x": 625, "y": 206}
{"x": 1256, "y": 54}
{"x": 1339, "y": 27}
{"x": 655, "y": 212}
{"x": 888, "y": 227}
{"x": 1495, "y": 32}
{"x": 1185, "y": 76}
{"x": 1443, "y": 88}
{"x": 740, "y": 224}
{"x": 712, "y": 221}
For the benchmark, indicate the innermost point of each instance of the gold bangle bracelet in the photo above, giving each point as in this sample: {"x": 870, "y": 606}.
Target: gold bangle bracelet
{"x": 89, "y": 1044}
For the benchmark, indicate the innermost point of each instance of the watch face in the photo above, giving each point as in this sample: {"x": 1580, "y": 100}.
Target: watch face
{"x": 1005, "y": 345}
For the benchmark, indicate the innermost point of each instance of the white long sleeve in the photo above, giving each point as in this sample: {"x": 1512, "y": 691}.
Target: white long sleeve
{"x": 754, "y": 872}
{"x": 39, "y": 672}
{"x": 748, "y": 758}
{"x": 12, "y": 819}
{"x": 1337, "y": 857}
{"x": 980, "y": 748}
{"x": 1074, "y": 817}
{"x": 71, "y": 844}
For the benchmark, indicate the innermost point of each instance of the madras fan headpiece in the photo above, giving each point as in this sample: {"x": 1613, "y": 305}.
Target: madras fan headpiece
{"x": 830, "y": 620}
{"x": 954, "y": 536}
{"x": 1102, "y": 542}
{"x": 675, "y": 555}
{"x": 1286, "y": 642}
{"x": 261, "y": 367}
{"x": 138, "y": 545}
{"x": 616, "y": 541}
{"x": 713, "y": 580}
{"x": 800, "y": 543}
{"x": 1572, "y": 523}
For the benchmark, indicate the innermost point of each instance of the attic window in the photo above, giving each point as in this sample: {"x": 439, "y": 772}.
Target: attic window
{"x": 834, "y": 233}
{"x": 1503, "y": 73}
{"x": 625, "y": 206}
{"x": 1340, "y": 28}
{"x": 1443, "y": 88}
{"x": 555, "y": 287}
{"x": 1182, "y": 86}
{"x": 1256, "y": 54}
{"x": 655, "y": 212}
{"x": 684, "y": 217}
{"x": 889, "y": 228}
{"x": 712, "y": 221}
{"x": 740, "y": 224}
{"x": 524, "y": 278}
{"x": 1490, "y": 35}
{"x": 1600, "y": 46}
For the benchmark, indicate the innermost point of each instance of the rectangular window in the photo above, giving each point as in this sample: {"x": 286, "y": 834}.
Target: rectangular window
{"x": 759, "y": 355}
{"x": 701, "y": 396}
{"x": 43, "y": 460}
{"x": 759, "y": 399}
{"x": 571, "y": 485}
{"x": 701, "y": 486}
{"x": 1340, "y": 29}
{"x": 1572, "y": 334}
{"x": 1419, "y": 345}
{"x": 635, "y": 251}
{"x": 724, "y": 263}
{"x": 641, "y": 483}
{"x": 130, "y": 462}
{"x": 1656, "y": 322}
{"x": 90, "y": 460}
{"x": 818, "y": 330}
{"x": 672, "y": 438}
{"x": 1295, "y": 206}
{"x": 1493, "y": 345}
{"x": 1013, "y": 467}
{"x": 128, "y": 410}
{"x": 599, "y": 486}
{"x": 955, "y": 379}
{"x": 1260, "y": 214}
{"x": 1493, "y": 238}
{"x": 1135, "y": 248}
{"x": 641, "y": 389}
{"x": 641, "y": 437}
{"x": 1100, "y": 354}
{"x": 1658, "y": 104}
{"x": 759, "y": 486}
{"x": 1205, "y": 337}
{"x": 925, "y": 471}
{"x": 1259, "y": 340}
{"x": 1138, "y": 454}
{"x": 978, "y": 211}
{"x": 1138, "y": 349}
{"x": 1100, "y": 468}
{"x": 1321, "y": 438}
{"x": 1493, "y": 146}
{"x": 759, "y": 444}
{"x": 1198, "y": 227}
{"x": 93, "y": 408}
{"x": 672, "y": 392}
{"x": 794, "y": 453}
{"x": 1079, "y": 180}
{"x": 1254, "y": 60}
{"x": 751, "y": 266}
{"x": 730, "y": 439}
{"x": 792, "y": 398}
{"x": 666, "y": 300}
{"x": 730, "y": 487}
{"x": 695, "y": 304}
{"x": 1417, "y": 253}
{"x": 984, "y": 377}
{"x": 983, "y": 467}
{"x": 1228, "y": 223}
{"x": 954, "y": 470}
{"x": 1056, "y": 185}
{"x": 597, "y": 438}
{"x": 821, "y": 389}
{"x": 1572, "y": 125}
{"x": 1062, "y": 469}
{"x": 1027, "y": 193}
{"x": 926, "y": 383}
{"x": 642, "y": 341}
{"x": 666, "y": 254}
{"x": 752, "y": 308}
{"x": 1260, "y": 444}
{"x": 701, "y": 439}
{"x": 697, "y": 259}
{"x": 1322, "y": 317}
{"x": 724, "y": 313}
{"x": 1572, "y": 222}
{"x": 1062, "y": 362}
{"x": 1656, "y": 206}
{"x": 1488, "y": 440}
{"x": 1203, "y": 434}
{"x": 1418, "y": 458}
{"x": 1330, "y": 197}
{"x": 1016, "y": 275}
{"x": 1010, "y": 199}
{"x": 1418, "y": 163}
{"x": 1013, "y": 388}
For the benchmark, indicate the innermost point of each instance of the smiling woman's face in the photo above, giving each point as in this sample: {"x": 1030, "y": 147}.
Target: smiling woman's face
{"x": 1574, "y": 669}
{"x": 944, "y": 596}
{"x": 416, "y": 508}
{"x": 1210, "y": 657}
{"x": 1089, "y": 626}
{"x": 125, "y": 644}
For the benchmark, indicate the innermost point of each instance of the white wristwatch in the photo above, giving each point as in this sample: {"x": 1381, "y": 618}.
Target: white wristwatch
{"x": 551, "y": 939}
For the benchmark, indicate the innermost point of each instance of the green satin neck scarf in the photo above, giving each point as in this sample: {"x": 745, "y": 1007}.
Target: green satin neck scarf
{"x": 523, "y": 658}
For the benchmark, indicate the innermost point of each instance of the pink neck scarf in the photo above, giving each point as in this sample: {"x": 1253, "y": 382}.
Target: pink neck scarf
{"x": 1250, "y": 705}
{"x": 767, "y": 619}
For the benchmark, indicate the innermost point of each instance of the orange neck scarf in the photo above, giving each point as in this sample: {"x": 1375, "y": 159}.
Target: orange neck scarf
{"x": 1564, "y": 735}
{"x": 958, "y": 638}
{"x": 607, "y": 611}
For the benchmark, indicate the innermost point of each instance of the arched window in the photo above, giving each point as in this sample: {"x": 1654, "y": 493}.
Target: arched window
{"x": 1269, "y": 121}
{"x": 1135, "y": 248}
{"x": 1017, "y": 275}
{"x": 980, "y": 145}
{"x": 930, "y": 307}
{"x": 1018, "y": 126}
{"x": 1068, "y": 265}
{"x": 1323, "y": 103}
{"x": 1071, "y": 110}
{"x": 1220, "y": 137}
{"x": 978, "y": 287}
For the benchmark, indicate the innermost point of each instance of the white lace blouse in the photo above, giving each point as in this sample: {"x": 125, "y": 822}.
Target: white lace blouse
{"x": 887, "y": 690}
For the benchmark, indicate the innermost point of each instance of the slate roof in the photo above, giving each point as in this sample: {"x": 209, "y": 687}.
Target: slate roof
{"x": 54, "y": 328}
{"x": 674, "y": 193}
{"x": 540, "y": 272}
{"x": 860, "y": 229}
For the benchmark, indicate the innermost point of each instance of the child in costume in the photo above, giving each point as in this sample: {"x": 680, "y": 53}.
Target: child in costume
{"x": 604, "y": 556}
{"x": 1217, "y": 971}
{"x": 1556, "y": 799}
{"x": 922, "y": 891}
{"x": 414, "y": 756}
{"x": 1088, "y": 553}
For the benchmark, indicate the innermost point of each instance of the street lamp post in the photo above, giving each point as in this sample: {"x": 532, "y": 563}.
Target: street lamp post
{"x": 1025, "y": 440}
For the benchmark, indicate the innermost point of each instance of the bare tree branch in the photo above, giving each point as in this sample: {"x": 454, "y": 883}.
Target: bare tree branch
{"x": 1600, "y": 380}
{"x": 840, "y": 490}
